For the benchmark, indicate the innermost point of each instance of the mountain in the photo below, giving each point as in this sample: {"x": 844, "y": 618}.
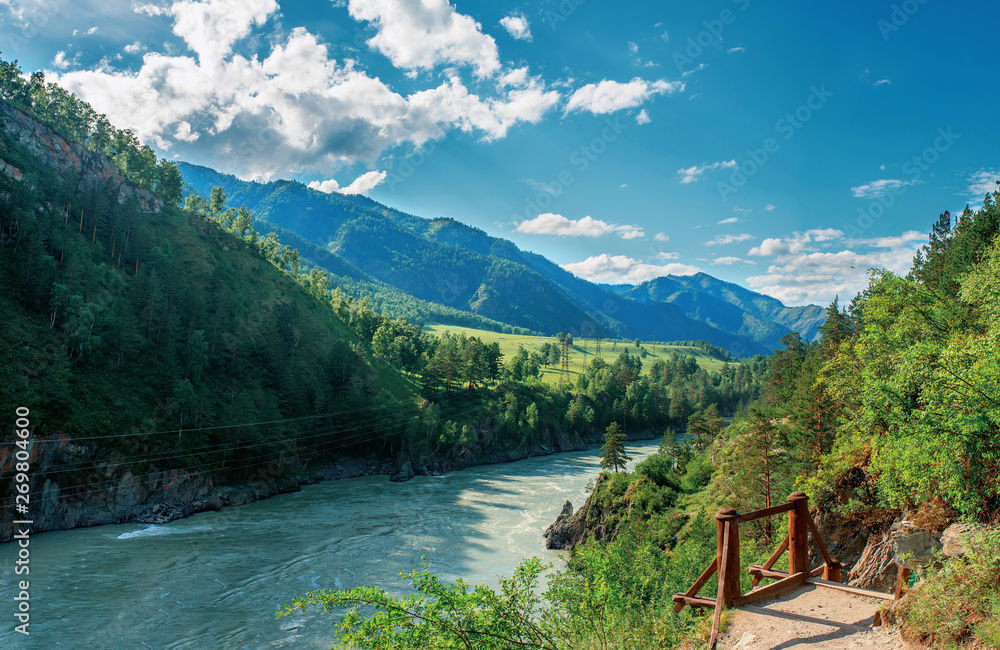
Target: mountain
{"x": 370, "y": 247}
{"x": 730, "y": 307}
{"x": 158, "y": 355}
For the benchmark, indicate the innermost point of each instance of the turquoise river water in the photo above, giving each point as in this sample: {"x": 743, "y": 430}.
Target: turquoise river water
{"x": 216, "y": 579}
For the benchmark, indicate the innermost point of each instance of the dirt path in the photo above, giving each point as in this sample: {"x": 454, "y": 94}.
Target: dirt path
{"x": 810, "y": 617}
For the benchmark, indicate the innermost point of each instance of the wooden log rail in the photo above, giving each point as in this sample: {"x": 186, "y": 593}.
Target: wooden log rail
{"x": 727, "y": 562}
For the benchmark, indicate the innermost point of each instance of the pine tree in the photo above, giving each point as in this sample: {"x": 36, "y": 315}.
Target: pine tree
{"x": 613, "y": 452}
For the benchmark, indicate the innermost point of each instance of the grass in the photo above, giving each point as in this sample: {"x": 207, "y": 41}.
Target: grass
{"x": 582, "y": 350}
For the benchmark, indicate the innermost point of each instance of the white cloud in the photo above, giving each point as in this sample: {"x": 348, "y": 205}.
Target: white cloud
{"x": 642, "y": 117}
{"x": 819, "y": 277}
{"x": 611, "y": 96}
{"x": 361, "y": 185}
{"x": 60, "y": 61}
{"x": 517, "y": 26}
{"x": 799, "y": 242}
{"x": 556, "y": 224}
{"x": 365, "y": 183}
{"x": 327, "y": 187}
{"x": 619, "y": 269}
{"x": 423, "y": 35}
{"x": 722, "y": 240}
{"x": 633, "y": 48}
{"x": 698, "y": 68}
{"x": 907, "y": 238}
{"x": 692, "y": 174}
{"x": 665, "y": 36}
{"x": 880, "y": 187}
{"x": 769, "y": 207}
{"x": 729, "y": 261}
{"x": 663, "y": 255}
{"x": 801, "y": 273}
{"x": 291, "y": 110}
{"x": 92, "y": 31}
{"x": 982, "y": 183}
{"x": 729, "y": 220}
{"x": 661, "y": 237}
{"x": 211, "y": 28}
{"x": 739, "y": 49}
{"x": 135, "y": 48}
{"x": 883, "y": 82}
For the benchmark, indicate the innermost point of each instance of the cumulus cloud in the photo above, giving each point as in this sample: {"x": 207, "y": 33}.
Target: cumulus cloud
{"x": 769, "y": 207}
{"x": 135, "y": 48}
{"x": 802, "y": 273}
{"x": 661, "y": 237}
{"x": 619, "y": 269}
{"x": 642, "y": 117}
{"x": 692, "y": 174}
{"x": 293, "y": 109}
{"x": 612, "y": 96}
{"x": 556, "y": 224}
{"x": 722, "y": 240}
{"x": 517, "y": 26}
{"x": 818, "y": 277}
{"x": 361, "y": 185}
{"x": 423, "y": 35}
{"x": 797, "y": 243}
{"x": 879, "y": 188}
{"x": 60, "y": 61}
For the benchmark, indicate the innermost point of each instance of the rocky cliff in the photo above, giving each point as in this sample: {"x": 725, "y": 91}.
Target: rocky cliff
{"x": 68, "y": 159}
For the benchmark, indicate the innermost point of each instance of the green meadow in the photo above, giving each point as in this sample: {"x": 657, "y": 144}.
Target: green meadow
{"x": 582, "y": 351}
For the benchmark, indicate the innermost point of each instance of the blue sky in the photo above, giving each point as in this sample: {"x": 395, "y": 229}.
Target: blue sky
{"x": 785, "y": 147}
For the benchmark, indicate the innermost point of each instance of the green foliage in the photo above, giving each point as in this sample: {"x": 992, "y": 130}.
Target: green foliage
{"x": 957, "y": 602}
{"x": 442, "y": 615}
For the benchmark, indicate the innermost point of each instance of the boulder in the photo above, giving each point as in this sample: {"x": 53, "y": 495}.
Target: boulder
{"x": 955, "y": 539}
{"x": 402, "y": 472}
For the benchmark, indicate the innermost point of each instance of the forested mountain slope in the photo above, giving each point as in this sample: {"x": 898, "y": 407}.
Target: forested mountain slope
{"x": 145, "y": 339}
{"x": 445, "y": 262}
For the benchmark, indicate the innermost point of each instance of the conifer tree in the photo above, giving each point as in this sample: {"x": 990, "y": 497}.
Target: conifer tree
{"x": 613, "y": 452}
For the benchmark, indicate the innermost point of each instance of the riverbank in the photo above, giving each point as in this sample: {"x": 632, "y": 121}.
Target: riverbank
{"x": 111, "y": 494}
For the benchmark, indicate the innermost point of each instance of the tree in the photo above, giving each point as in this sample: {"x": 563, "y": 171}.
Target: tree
{"x": 613, "y": 452}
{"x": 443, "y": 615}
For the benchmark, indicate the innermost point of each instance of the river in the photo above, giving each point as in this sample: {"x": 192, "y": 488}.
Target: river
{"x": 216, "y": 579}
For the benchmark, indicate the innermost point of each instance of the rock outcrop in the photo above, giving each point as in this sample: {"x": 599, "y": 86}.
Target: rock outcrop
{"x": 565, "y": 532}
{"x": 69, "y": 159}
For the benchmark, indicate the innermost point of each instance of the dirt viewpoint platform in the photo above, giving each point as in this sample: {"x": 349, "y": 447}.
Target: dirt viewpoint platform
{"x": 810, "y": 617}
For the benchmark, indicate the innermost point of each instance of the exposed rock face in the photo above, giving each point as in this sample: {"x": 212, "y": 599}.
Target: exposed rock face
{"x": 69, "y": 158}
{"x": 564, "y": 531}
{"x": 402, "y": 472}
{"x": 955, "y": 538}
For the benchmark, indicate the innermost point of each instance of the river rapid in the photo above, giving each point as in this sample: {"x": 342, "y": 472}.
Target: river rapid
{"x": 216, "y": 579}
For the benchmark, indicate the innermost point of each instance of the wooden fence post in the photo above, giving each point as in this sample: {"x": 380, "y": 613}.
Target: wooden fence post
{"x": 798, "y": 534}
{"x": 729, "y": 580}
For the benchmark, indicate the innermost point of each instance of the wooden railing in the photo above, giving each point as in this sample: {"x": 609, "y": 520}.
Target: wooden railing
{"x": 727, "y": 561}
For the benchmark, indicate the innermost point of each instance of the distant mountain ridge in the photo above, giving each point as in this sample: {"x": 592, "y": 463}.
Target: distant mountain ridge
{"x": 445, "y": 262}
